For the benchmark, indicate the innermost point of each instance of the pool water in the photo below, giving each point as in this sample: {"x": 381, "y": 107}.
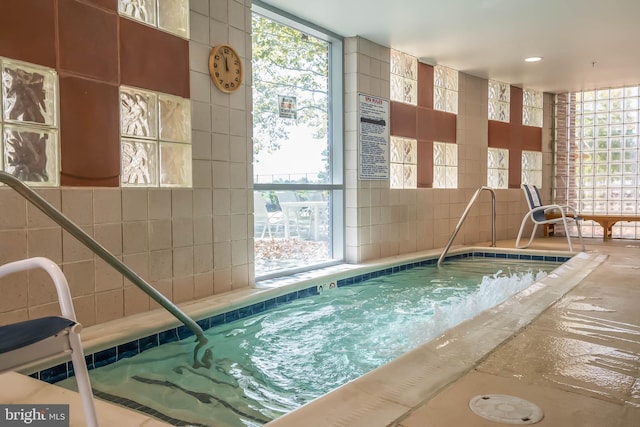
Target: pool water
{"x": 269, "y": 364}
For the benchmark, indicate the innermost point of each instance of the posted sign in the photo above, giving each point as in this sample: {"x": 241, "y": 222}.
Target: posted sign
{"x": 373, "y": 137}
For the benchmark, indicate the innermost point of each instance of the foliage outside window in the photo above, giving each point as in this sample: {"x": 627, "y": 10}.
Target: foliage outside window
{"x": 29, "y": 123}
{"x": 155, "y": 139}
{"x": 499, "y": 101}
{"x": 403, "y": 161}
{"x": 498, "y": 168}
{"x": 598, "y": 148}
{"x": 445, "y": 89}
{"x": 532, "y": 168}
{"x": 404, "y": 78}
{"x": 168, "y": 15}
{"x": 297, "y": 191}
{"x": 445, "y": 165}
{"x": 532, "y": 107}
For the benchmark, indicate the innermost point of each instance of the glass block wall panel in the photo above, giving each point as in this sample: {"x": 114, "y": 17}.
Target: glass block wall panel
{"x": 445, "y": 165}
{"x": 396, "y": 175}
{"x": 31, "y": 154}
{"x": 175, "y": 118}
{"x": 498, "y": 168}
{"x": 29, "y": 122}
{"x": 138, "y": 113}
{"x": 445, "y": 89}
{"x": 168, "y": 15}
{"x": 155, "y": 127}
{"x": 404, "y": 78}
{"x": 532, "y": 168}
{"x": 173, "y": 17}
{"x": 139, "y": 163}
{"x": 396, "y": 149}
{"x": 140, "y": 10}
{"x": 597, "y": 162}
{"x": 175, "y": 165}
{"x": 29, "y": 93}
{"x": 499, "y": 101}
{"x": 532, "y": 104}
{"x": 403, "y": 158}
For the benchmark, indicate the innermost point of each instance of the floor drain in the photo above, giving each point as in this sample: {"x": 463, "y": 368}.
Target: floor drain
{"x": 506, "y": 409}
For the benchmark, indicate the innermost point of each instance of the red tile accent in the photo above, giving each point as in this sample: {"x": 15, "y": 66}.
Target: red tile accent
{"x": 27, "y": 31}
{"x": 425, "y": 164}
{"x": 106, "y": 4}
{"x": 425, "y": 85}
{"x": 153, "y": 59}
{"x": 436, "y": 125}
{"x": 88, "y": 40}
{"x": 89, "y": 133}
{"x": 515, "y": 106}
{"x": 403, "y": 120}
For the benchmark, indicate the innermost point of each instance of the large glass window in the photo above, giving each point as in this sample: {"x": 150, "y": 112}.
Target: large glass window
{"x": 597, "y": 152}
{"x": 297, "y": 133}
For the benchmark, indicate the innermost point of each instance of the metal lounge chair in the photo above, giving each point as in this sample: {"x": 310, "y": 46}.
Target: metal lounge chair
{"x": 32, "y": 343}
{"x": 537, "y": 214}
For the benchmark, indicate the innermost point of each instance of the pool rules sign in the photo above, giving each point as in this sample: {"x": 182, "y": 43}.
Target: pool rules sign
{"x": 373, "y": 137}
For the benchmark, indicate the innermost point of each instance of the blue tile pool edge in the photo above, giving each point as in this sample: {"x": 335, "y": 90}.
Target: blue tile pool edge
{"x": 131, "y": 348}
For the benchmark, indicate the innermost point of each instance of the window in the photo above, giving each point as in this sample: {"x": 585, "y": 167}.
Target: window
{"x": 403, "y": 161}
{"x": 155, "y": 139}
{"x": 445, "y": 165}
{"x": 297, "y": 134}
{"x": 532, "y": 104}
{"x": 498, "y": 168}
{"x": 168, "y": 15}
{"x": 499, "y": 101}
{"x": 29, "y": 123}
{"x": 445, "y": 89}
{"x": 597, "y": 151}
{"x": 404, "y": 78}
{"x": 532, "y": 168}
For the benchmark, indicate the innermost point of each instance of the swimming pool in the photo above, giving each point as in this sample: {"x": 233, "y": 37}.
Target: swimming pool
{"x": 397, "y": 325}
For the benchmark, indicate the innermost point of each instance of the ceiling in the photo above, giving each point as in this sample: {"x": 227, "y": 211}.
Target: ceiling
{"x": 585, "y": 44}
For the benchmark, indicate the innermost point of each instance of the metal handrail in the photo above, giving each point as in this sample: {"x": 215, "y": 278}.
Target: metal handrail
{"x": 64, "y": 222}
{"x": 464, "y": 216}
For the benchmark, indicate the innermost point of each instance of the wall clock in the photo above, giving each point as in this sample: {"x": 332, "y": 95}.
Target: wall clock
{"x": 225, "y": 67}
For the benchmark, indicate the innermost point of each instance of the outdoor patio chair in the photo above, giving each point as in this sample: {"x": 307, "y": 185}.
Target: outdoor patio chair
{"x": 34, "y": 343}
{"x": 537, "y": 214}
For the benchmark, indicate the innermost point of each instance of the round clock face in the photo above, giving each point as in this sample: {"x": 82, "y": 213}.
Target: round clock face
{"x": 225, "y": 67}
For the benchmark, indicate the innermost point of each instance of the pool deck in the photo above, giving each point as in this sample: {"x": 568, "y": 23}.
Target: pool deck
{"x": 573, "y": 350}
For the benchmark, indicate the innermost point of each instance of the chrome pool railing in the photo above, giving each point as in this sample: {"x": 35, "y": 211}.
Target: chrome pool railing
{"x": 34, "y": 198}
{"x": 464, "y": 216}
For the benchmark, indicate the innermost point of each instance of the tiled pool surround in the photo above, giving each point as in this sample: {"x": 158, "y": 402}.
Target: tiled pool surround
{"x": 131, "y": 348}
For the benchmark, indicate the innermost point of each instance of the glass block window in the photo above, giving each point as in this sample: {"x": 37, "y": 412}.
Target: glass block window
{"x": 598, "y": 149}
{"x": 532, "y": 168}
{"x": 404, "y": 78}
{"x": 532, "y": 107}
{"x": 403, "y": 160}
{"x": 445, "y": 165}
{"x": 168, "y": 15}
{"x": 29, "y": 123}
{"x": 498, "y": 168}
{"x": 155, "y": 139}
{"x": 445, "y": 89}
{"x": 499, "y": 101}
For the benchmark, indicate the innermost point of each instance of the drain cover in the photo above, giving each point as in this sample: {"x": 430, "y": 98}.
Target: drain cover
{"x": 506, "y": 409}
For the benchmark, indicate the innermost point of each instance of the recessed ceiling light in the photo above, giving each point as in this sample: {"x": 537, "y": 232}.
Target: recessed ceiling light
{"x": 533, "y": 59}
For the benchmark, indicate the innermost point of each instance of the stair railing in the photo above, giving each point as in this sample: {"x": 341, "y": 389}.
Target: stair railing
{"x": 64, "y": 222}
{"x": 464, "y": 216}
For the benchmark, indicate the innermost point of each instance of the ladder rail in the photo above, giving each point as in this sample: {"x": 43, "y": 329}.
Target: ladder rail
{"x": 464, "y": 216}
{"x": 34, "y": 198}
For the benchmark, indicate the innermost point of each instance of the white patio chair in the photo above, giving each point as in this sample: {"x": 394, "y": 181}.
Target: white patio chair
{"x": 537, "y": 213}
{"x": 35, "y": 342}
{"x": 264, "y": 216}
